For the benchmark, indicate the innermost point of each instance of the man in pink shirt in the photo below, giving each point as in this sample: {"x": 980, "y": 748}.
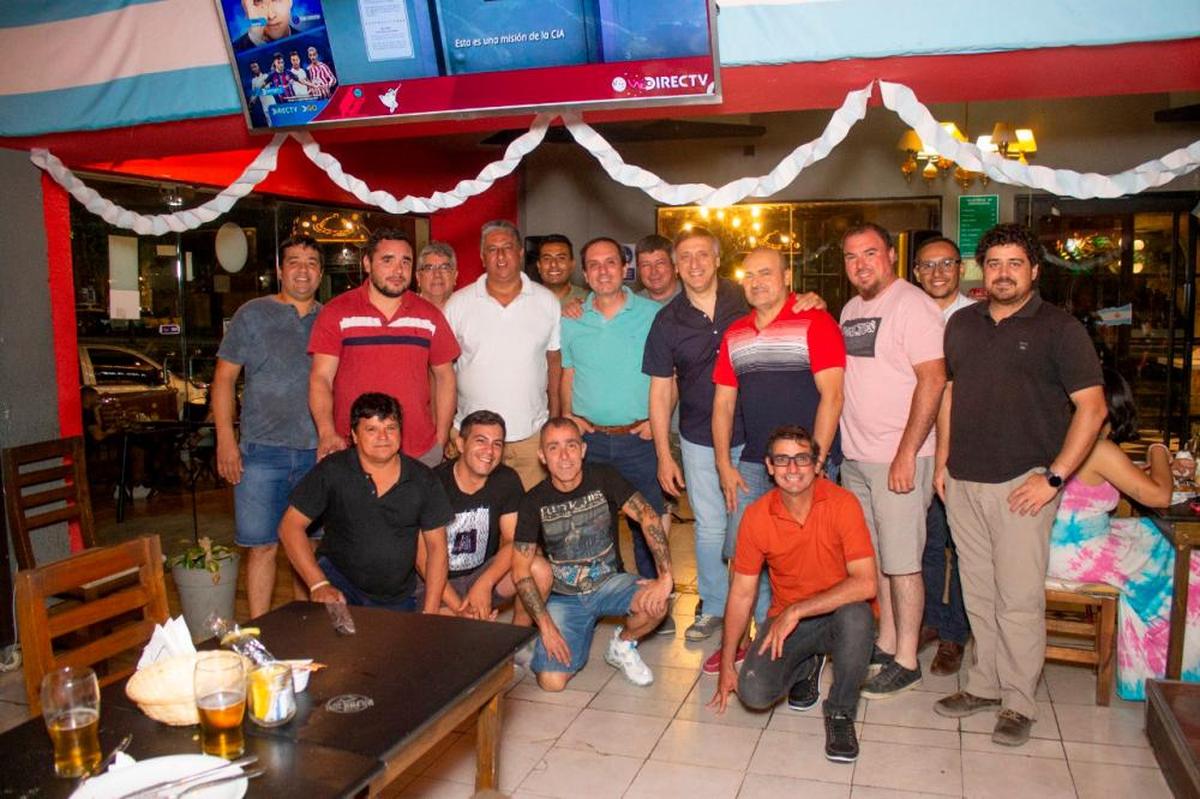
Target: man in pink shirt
{"x": 382, "y": 337}
{"x": 895, "y": 374}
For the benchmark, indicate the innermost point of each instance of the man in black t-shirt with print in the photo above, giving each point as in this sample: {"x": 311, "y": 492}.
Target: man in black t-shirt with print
{"x": 377, "y": 506}
{"x": 573, "y": 516}
{"x": 484, "y": 494}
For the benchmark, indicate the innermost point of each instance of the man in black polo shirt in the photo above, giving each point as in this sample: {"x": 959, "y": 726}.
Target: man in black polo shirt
{"x": 375, "y": 503}
{"x": 681, "y": 349}
{"x": 1021, "y": 412}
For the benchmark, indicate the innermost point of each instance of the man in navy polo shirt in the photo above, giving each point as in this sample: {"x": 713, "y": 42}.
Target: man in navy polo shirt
{"x": 681, "y": 350}
{"x": 783, "y": 367}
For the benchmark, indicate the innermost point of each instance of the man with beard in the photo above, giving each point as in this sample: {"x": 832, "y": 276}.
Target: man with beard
{"x": 556, "y": 265}
{"x": 383, "y": 337}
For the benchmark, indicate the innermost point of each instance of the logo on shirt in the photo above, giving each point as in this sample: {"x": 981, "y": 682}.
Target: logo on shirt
{"x": 468, "y": 538}
{"x": 860, "y": 336}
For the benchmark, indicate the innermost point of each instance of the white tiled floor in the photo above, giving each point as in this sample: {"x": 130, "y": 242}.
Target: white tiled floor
{"x": 604, "y": 737}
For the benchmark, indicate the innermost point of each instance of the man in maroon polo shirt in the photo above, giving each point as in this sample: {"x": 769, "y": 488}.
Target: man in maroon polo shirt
{"x": 382, "y": 337}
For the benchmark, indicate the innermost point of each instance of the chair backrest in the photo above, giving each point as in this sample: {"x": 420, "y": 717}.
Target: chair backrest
{"x": 132, "y": 609}
{"x": 45, "y": 484}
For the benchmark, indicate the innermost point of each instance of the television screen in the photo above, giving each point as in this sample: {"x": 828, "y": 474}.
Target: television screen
{"x": 302, "y": 63}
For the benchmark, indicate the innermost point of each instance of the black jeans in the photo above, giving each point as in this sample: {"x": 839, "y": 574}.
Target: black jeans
{"x": 846, "y": 635}
{"x": 949, "y": 619}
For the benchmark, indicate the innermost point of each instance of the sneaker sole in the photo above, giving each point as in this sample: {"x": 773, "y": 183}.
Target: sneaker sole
{"x": 841, "y": 758}
{"x": 697, "y": 636}
{"x": 885, "y": 694}
{"x": 616, "y": 664}
{"x": 962, "y": 714}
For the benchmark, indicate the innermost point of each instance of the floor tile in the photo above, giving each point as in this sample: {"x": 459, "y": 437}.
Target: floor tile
{"x": 908, "y": 767}
{"x": 694, "y": 708}
{"x": 909, "y": 709}
{"x": 707, "y": 745}
{"x": 528, "y": 689}
{"x": 12, "y": 687}
{"x": 1046, "y": 725}
{"x": 771, "y": 786}
{"x": 987, "y": 776}
{"x": 670, "y": 684}
{"x": 887, "y": 733}
{"x": 1079, "y": 752}
{"x": 1074, "y": 685}
{"x": 1122, "y": 724}
{"x": 1104, "y": 781}
{"x": 630, "y": 703}
{"x": 12, "y": 715}
{"x": 675, "y": 652}
{"x": 458, "y": 763}
{"x": 789, "y": 754}
{"x": 658, "y": 779}
{"x": 534, "y": 721}
{"x": 578, "y": 774}
{"x": 1034, "y": 747}
{"x": 608, "y": 733}
{"x": 422, "y": 788}
{"x": 869, "y": 792}
{"x": 594, "y": 676}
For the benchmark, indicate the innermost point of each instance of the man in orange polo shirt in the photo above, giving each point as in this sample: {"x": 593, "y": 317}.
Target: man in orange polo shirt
{"x": 813, "y": 540}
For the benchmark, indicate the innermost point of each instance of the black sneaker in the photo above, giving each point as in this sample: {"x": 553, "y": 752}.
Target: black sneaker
{"x": 891, "y": 680}
{"x": 879, "y": 659}
{"x": 841, "y": 744}
{"x": 807, "y": 690}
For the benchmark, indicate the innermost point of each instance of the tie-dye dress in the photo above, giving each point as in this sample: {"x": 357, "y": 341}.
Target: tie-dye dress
{"x": 1086, "y": 545}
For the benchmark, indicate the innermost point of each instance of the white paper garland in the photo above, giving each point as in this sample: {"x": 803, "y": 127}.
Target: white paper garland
{"x": 896, "y": 97}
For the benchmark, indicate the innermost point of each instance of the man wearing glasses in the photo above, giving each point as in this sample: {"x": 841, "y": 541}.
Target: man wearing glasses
{"x": 939, "y": 269}
{"x": 437, "y": 272}
{"x": 812, "y": 538}
{"x": 508, "y": 329}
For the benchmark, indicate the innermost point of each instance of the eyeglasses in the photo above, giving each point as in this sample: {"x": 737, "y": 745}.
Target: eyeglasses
{"x": 944, "y": 265}
{"x": 800, "y": 459}
{"x": 446, "y": 267}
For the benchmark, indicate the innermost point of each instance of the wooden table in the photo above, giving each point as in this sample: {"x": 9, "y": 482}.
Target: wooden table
{"x": 1181, "y": 526}
{"x": 1173, "y": 727}
{"x": 387, "y": 696}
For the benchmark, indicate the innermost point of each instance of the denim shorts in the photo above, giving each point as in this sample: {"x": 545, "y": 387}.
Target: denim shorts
{"x": 269, "y": 473}
{"x": 576, "y": 615}
{"x": 462, "y": 584}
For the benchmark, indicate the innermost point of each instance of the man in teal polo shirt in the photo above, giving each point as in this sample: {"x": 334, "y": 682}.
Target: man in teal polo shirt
{"x": 603, "y": 387}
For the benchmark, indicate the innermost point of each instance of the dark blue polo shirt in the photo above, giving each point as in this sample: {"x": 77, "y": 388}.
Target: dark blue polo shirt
{"x": 684, "y": 342}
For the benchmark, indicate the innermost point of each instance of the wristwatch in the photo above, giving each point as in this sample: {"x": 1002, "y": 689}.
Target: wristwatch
{"x": 1054, "y": 479}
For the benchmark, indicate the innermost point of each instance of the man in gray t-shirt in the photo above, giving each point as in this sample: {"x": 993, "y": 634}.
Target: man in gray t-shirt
{"x": 268, "y": 338}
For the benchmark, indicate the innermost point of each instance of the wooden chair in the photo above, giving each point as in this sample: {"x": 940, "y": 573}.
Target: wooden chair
{"x": 39, "y": 625}
{"x": 1083, "y": 617}
{"x": 38, "y": 496}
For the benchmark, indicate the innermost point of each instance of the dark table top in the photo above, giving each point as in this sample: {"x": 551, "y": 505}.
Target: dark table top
{"x": 405, "y": 668}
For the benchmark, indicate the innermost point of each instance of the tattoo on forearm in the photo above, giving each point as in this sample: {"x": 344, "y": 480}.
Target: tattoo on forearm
{"x": 528, "y": 591}
{"x": 656, "y": 539}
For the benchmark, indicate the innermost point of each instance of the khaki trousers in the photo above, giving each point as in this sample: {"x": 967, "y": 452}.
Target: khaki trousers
{"x": 522, "y": 457}
{"x": 1002, "y": 562}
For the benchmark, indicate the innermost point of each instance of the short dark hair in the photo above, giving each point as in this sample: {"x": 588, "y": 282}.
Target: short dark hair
{"x": 556, "y": 238}
{"x": 1010, "y": 233}
{"x": 653, "y": 243}
{"x": 559, "y": 423}
{"x": 940, "y": 240}
{"x": 868, "y": 227}
{"x": 294, "y": 53}
{"x": 385, "y": 234}
{"x": 793, "y": 432}
{"x": 1122, "y": 412}
{"x": 482, "y": 418}
{"x": 276, "y": 55}
{"x": 583, "y": 251}
{"x": 375, "y": 405}
{"x": 305, "y": 241}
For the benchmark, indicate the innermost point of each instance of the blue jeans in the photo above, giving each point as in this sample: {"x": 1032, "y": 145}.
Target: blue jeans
{"x": 575, "y": 616}
{"x": 634, "y": 458}
{"x": 949, "y": 619}
{"x": 355, "y": 596}
{"x": 269, "y": 473}
{"x": 713, "y": 522}
{"x": 759, "y": 482}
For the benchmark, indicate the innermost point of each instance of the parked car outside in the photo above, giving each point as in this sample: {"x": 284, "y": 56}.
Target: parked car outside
{"x": 111, "y": 370}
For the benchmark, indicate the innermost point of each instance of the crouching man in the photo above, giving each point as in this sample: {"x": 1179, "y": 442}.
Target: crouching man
{"x": 378, "y": 506}
{"x": 811, "y": 537}
{"x": 573, "y": 516}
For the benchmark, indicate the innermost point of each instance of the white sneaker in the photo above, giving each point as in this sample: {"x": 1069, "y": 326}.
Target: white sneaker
{"x": 624, "y": 656}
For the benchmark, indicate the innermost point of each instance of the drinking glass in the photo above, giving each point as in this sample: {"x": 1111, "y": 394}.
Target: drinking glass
{"x": 220, "y": 688}
{"x": 71, "y": 707}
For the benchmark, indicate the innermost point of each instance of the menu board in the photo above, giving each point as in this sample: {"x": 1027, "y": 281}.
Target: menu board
{"x": 977, "y": 214}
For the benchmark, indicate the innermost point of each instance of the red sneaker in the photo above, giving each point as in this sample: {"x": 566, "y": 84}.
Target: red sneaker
{"x": 713, "y": 664}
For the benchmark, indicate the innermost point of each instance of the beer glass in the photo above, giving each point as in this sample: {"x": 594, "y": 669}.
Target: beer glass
{"x": 71, "y": 708}
{"x": 220, "y": 688}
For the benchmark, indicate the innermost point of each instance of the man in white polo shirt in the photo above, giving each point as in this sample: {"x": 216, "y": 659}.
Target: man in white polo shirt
{"x": 508, "y": 329}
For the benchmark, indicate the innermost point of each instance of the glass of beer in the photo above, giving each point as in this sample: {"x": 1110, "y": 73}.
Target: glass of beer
{"x": 220, "y": 685}
{"x": 71, "y": 707}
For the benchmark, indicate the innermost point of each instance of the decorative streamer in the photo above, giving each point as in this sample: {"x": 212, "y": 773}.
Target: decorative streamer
{"x": 896, "y": 97}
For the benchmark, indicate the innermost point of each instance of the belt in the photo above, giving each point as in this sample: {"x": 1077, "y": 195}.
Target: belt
{"x": 617, "y": 429}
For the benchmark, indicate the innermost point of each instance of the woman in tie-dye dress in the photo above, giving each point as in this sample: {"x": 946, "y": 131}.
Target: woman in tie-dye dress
{"x": 1087, "y": 545}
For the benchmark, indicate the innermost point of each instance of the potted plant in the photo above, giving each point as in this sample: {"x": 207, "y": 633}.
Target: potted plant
{"x": 206, "y": 576}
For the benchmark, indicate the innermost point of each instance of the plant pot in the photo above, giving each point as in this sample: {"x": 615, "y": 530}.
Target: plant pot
{"x": 199, "y": 596}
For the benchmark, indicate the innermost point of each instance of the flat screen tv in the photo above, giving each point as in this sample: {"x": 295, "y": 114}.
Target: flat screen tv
{"x": 305, "y": 63}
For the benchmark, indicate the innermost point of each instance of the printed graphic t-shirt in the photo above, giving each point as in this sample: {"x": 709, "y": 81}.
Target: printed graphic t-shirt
{"x": 474, "y": 534}
{"x": 577, "y": 529}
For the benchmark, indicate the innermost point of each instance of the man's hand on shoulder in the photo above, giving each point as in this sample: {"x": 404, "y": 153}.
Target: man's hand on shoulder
{"x": 572, "y": 309}
{"x": 809, "y": 301}
{"x": 330, "y": 443}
